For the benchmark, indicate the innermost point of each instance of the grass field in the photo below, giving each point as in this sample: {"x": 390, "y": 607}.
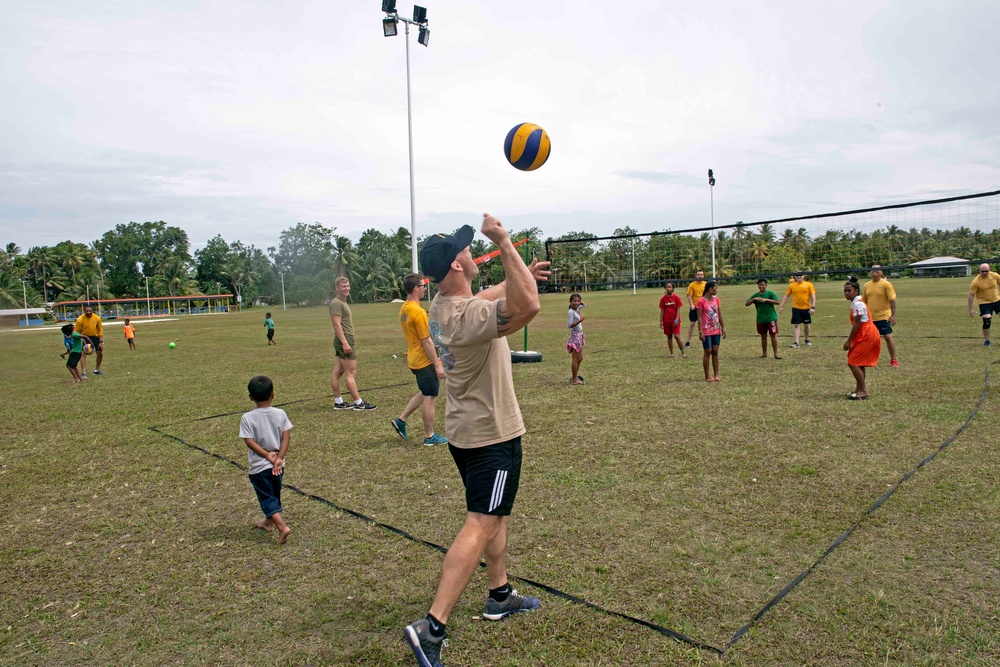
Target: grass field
{"x": 646, "y": 492}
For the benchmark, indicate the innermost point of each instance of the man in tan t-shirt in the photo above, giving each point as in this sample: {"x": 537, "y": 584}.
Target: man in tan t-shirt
{"x": 482, "y": 419}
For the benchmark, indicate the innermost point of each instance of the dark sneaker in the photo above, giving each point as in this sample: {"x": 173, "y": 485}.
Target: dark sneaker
{"x": 400, "y": 427}
{"x": 426, "y": 649}
{"x": 986, "y": 343}
{"x": 343, "y": 406}
{"x": 435, "y": 440}
{"x": 794, "y": 346}
{"x": 98, "y": 372}
{"x": 687, "y": 345}
{"x": 363, "y": 406}
{"x": 808, "y": 343}
{"x": 514, "y": 603}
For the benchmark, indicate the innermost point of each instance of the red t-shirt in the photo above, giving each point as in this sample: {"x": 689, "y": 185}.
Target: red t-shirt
{"x": 669, "y": 303}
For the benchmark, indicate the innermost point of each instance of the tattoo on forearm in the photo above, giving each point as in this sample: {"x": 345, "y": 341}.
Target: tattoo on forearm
{"x": 503, "y": 317}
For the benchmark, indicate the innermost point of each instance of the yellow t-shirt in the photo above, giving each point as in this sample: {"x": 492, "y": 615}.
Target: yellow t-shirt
{"x": 878, "y": 296}
{"x": 413, "y": 320}
{"x": 985, "y": 289}
{"x": 89, "y": 326}
{"x": 801, "y": 292}
{"x": 695, "y": 290}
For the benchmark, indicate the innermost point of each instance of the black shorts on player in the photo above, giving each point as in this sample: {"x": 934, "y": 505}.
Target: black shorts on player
{"x": 801, "y": 316}
{"x": 884, "y": 327}
{"x": 491, "y": 475}
{"x": 427, "y": 380}
{"x": 693, "y": 315}
{"x": 989, "y": 308}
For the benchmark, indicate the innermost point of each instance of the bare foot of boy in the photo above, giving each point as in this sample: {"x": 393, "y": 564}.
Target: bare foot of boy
{"x": 283, "y": 535}
{"x": 266, "y": 524}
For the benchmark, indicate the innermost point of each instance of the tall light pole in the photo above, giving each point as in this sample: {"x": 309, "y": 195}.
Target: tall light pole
{"x": 98, "y": 298}
{"x": 586, "y": 287}
{"x": 24, "y": 291}
{"x": 283, "y": 307}
{"x": 389, "y": 29}
{"x": 711, "y": 199}
{"x": 149, "y": 309}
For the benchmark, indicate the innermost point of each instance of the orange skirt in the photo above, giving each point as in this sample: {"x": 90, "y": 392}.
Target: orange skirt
{"x": 866, "y": 346}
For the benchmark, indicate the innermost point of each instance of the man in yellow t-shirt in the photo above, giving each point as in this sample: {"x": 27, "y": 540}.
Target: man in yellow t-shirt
{"x": 984, "y": 289}
{"x": 695, "y": 290}
{"x": 422, "y": 359}
{"x": 803, "y": 304}
{"x": 880, "y": 297}
{"x": 90, "y": 325}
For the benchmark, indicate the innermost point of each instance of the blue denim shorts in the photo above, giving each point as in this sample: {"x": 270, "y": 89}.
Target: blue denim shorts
{"x": 268, "y": 488}
{"x": 710, "y": 341}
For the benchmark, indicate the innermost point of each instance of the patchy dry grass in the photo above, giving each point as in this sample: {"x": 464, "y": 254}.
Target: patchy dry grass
{"x": 647, "y": 492}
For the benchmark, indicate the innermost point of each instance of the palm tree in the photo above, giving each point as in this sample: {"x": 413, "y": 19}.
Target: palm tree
{"x": 344, "y": 256}
{"x": 759, "y": 251}
{"x": 71, "y": 258}
{"x": 174, "y": 277}
{"x": 11, "y": 293}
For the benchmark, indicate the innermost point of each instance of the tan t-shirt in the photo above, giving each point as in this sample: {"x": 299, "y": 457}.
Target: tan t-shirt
{"x": 339, "y": 307}
{"x": 481, "y": 408}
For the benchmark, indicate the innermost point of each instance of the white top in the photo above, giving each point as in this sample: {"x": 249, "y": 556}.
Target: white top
{"x": 859, "y": 309}
{"x": 265, "y": 426}
{"x": 573, "y": 320}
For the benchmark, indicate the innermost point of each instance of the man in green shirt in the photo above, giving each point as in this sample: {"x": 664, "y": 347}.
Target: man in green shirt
{"x": 764, "y": 300}
{"x": 346, "y": 363}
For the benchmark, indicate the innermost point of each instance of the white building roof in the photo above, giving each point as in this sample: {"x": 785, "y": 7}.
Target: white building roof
{"x": 941, "y": 261}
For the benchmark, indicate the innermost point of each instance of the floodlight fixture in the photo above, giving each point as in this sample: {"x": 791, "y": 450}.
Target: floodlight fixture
{"x": 389, "y": 6}
{"x": 424, "y": 36}
{"x": 389, "y": 26}
{"x": 419, "y": 14}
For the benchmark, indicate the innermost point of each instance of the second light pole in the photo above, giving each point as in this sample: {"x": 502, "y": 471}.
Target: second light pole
{"x": 389, "y": 29}
{"x": 711, "y": 199}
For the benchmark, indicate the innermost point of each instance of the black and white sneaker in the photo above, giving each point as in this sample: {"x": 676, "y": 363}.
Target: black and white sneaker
{"x": 363, "y": 406}
{"x": 426, "y": 649}
{"x": 343, "y": 406}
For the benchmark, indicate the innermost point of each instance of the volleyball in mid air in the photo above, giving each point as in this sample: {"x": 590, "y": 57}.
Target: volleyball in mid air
{"x": 527, "y": 147}
{"x": 88, "y": 348}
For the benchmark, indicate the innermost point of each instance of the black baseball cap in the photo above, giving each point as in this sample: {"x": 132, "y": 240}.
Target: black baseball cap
{"x": 440, "y": 250}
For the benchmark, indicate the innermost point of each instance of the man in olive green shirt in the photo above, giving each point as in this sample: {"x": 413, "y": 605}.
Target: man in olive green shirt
{"x": 346, "y": 362}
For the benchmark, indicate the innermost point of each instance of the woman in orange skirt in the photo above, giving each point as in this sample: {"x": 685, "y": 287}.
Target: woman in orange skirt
{"x": 864, "y": 344}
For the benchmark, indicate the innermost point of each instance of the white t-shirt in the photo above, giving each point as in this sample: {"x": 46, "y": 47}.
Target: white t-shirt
{"x": 573, "y": 320}
{"x": 481, "y": 407}
{"x": 265, "y": 426}
{"x": 859, "y": 309}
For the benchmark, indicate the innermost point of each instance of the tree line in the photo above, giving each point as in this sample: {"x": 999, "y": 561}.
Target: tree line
{"x": 745, "y": 251}
{"x": 131, "y": 257}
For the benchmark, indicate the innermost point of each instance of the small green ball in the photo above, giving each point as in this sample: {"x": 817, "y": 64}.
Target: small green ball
{"x": 173, "y": 345}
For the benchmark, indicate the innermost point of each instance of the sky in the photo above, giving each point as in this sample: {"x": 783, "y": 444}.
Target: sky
{"x": 244, "y": 118}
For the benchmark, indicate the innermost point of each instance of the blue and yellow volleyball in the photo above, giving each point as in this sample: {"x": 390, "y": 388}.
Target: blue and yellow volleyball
{"x": 527, "y": 147}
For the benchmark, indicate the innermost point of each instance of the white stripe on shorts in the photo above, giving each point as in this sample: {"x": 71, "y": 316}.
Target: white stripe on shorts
{"x": 498, "y": 486}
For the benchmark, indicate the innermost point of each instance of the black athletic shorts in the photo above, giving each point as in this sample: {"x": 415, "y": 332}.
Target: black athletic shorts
{"x": 693, "y": 315}
{"x": 270, "y": 334}
{"x": 427, "y": 380}
{"x": 74, "y": 359}
{"x": 491, "y": 475}
{"x": 989, "y": 308}
{"x": 884, "y": 327}
{"x": 801, "y": 316}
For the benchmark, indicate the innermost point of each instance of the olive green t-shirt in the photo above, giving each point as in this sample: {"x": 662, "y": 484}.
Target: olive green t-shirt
{"x": 339, "y": 307}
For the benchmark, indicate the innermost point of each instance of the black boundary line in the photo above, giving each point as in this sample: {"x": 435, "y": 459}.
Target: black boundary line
{"x": 277, "y": 405}
{"x": 673, "y": 634}
{"x": 572, "y": 598}
{"x": 867, "y": 513}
